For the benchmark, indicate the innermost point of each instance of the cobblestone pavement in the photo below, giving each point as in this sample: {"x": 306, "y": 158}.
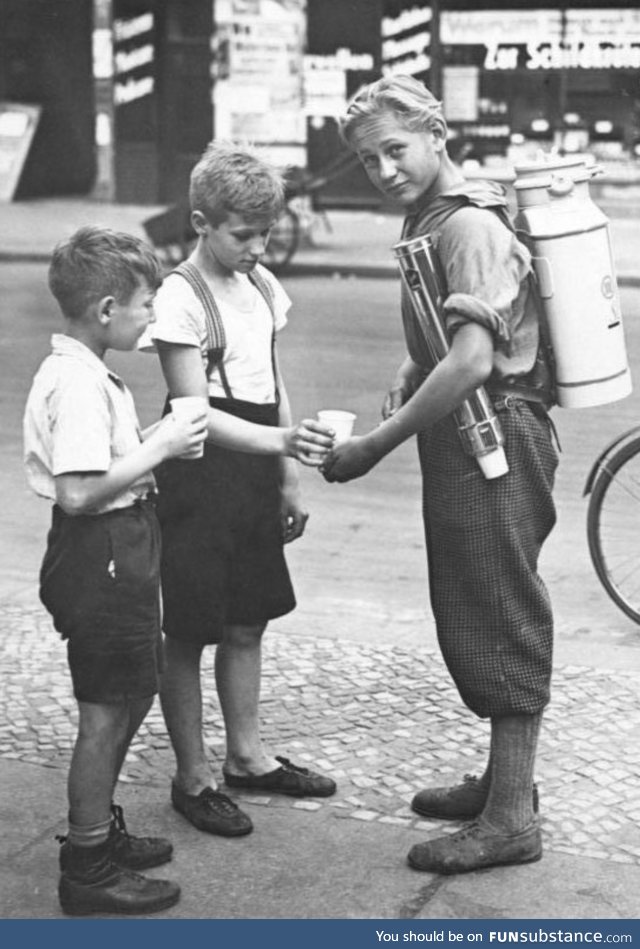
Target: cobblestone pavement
{"x": 383, "y": 720}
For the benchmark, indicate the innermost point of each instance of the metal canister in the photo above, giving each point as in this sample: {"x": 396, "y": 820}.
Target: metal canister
{"x": 569, "y": 239}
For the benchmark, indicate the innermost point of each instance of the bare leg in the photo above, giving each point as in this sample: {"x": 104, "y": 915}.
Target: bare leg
{"x": 181, "y": 699}
{"x": 238, "y": 670}
{"x": 138, "y": 709}
{"x": 94, "y": 767}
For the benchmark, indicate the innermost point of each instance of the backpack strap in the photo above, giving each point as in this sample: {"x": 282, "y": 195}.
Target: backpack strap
{"x": 216, "y": 337}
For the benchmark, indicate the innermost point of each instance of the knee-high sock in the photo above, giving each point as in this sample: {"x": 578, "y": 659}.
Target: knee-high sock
{"x": 514, "y": 740}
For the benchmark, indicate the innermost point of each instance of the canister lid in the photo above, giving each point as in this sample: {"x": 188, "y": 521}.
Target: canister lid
{"x": 546, "y": 162}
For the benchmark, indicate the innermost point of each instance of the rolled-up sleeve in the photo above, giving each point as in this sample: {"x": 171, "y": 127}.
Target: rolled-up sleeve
{"x": 485, "y": 267}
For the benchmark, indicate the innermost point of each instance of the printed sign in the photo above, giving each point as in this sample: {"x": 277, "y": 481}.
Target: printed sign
{"x": 18, "y": 124}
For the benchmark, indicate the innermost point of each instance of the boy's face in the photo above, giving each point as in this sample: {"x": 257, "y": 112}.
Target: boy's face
{"x": 402, "y": 164}
{"x": 237, "y": 244}
{"x": 128, "y": 321}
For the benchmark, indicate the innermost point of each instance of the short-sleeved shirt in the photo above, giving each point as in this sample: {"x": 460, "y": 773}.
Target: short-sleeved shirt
{"x": 487, "y": 274}
{"x": 248, "y": 360}
{"x": 79, "y": 418}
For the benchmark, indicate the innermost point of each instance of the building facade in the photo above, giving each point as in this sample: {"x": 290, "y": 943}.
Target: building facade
{"x": 130, "y": 91}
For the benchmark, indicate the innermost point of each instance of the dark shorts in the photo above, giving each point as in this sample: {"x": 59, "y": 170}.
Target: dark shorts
{"x": 492, "y": 610}
{"x": 100, "y": 580}
{"x": 222, "y": 550}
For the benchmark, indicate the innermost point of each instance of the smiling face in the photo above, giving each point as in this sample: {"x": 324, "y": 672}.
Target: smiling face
{"x": 404, "y": 165}
{"x": 235, "y": 245}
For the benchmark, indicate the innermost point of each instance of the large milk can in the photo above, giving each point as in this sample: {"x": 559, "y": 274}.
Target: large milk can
{"x": 568, "y": 236}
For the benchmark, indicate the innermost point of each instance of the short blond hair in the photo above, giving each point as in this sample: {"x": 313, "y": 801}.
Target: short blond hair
{"x": 233, "y": 179}
{"x": 415, "y": 107}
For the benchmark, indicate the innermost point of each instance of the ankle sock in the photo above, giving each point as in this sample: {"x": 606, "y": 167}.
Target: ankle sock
{"x": 88, "y": 835}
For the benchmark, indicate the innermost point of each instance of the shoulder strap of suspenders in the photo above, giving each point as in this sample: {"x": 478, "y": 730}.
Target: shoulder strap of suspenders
{"x": 216, "y": 337}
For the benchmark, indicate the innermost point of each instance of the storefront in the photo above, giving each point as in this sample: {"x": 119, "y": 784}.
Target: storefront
{"x": 124, "y": 89}
{"x": 514, "y": 80}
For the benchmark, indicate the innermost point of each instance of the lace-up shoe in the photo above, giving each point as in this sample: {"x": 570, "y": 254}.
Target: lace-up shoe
{"x": 460, "y": 802}
{"x": 288, "y": 779}
{"x": 92, "y": 883}
{"x": 212, "y": 812}
{"x": 474, "y": 848}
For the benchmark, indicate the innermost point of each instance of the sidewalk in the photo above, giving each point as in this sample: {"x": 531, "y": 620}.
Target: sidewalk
{"x": 361, "y": 713}
{"x": 358, "y": 243}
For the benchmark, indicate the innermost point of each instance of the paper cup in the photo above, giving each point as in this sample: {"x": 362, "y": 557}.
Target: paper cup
{"x": 341, "y": 422}
{"x": 189, "y": 407}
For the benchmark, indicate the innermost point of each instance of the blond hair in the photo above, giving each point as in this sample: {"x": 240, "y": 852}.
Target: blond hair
{"x": 229, "y": 178}
{"x": 415, "y": 107}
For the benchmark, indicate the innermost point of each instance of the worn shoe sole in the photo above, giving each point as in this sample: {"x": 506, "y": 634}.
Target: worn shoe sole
{"x": 463, "y": 853}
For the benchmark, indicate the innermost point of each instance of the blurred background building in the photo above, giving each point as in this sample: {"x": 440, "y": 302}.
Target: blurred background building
{"x": 128, "y": 92}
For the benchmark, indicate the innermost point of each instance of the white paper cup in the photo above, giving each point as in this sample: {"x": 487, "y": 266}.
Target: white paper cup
{"x": 190, "y": 407}
{"x": 341, "y": 422}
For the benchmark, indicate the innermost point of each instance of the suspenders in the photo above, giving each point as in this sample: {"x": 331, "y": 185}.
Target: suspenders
{"x": 216, "y": 337}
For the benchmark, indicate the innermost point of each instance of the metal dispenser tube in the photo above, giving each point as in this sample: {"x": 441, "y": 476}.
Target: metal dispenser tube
{"x": 478, "y": 426}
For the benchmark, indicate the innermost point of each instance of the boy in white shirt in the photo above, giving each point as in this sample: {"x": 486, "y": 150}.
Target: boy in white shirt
{"x": 226, "y": 517}
{"x": 100, "y": 575}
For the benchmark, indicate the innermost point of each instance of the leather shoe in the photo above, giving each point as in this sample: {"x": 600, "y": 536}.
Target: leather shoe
{"x": 212, "y": 812}
{"x": 459, "y": 802}
{"x": 126, "y": 851}
{"x": 92, "y": 883}
{"x": 474, "y": 848}
{"x": 288, "y": 779}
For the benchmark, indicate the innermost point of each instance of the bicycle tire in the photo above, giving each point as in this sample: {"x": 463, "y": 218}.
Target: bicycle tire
{"x": 283, "y": 241}
{"x": 614, "y": 543}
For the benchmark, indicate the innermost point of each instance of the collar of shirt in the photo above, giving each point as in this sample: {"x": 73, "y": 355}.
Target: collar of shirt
{"x": 63, "y": 345}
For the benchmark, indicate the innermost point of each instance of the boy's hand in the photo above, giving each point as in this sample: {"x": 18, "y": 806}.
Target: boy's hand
{"x": 350, "y": 460}
{"x": 309, "y": 441}
{"x": 394, "y": 400}
{"x": 293, "y": 515}
{"x": 181, "y": 437}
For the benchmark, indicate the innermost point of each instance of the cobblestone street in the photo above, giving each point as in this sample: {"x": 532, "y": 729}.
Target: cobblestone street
{"x": 383, "y": 720}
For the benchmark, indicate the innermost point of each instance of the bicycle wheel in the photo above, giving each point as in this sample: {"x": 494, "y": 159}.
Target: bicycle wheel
{"x": 613, "y": 528}
{"x": 283, "y": 241}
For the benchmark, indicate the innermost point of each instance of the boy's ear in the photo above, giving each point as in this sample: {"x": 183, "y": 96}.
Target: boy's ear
{"x": 199, "y": 222}
{"x": 105, "y": 309}
{"x": 439, "y": 132}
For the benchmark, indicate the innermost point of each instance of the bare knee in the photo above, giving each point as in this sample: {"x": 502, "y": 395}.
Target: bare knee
{"x": 243, "y": 637}
{"x": 102, "y": 723}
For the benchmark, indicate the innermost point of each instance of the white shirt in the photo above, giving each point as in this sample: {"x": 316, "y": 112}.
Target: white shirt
{"x": 248, "y": 364}
{"x": 79, "y": 418}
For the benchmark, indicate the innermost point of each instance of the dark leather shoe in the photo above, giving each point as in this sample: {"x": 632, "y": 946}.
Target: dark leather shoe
{"x": 474, "y": 848}
{"x": 212, "y": 812}
{"x": 459, "y": 802}
{"x": 127, "y": 851}
{"x": 92, "y": 883}
{"x": 136, "y": 853}
{"x": 288, "y": 779}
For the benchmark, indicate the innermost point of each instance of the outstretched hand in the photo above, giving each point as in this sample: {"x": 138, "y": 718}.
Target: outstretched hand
{"x": 350, "y": 460}
{"x": 309, "y": 442}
